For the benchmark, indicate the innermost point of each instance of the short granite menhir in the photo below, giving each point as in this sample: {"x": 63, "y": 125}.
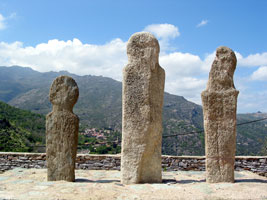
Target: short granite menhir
{"x": 62, "y": 127}
{"x": 142, "y": 97}
{"x": 219, "y": 102}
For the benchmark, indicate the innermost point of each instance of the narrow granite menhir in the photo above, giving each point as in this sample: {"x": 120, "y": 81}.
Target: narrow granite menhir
{"x": 62, "y": 127}
{"x": 142, "y": 97}
{"x": 219, "y": 102}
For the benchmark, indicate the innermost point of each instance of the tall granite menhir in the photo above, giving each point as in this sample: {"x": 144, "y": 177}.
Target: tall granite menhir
{"x": 143, "y": 89}
{"x": 219, "y": 107}
{"x": 62, "y": 127}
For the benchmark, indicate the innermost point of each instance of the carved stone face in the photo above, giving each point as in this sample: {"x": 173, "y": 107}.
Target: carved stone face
{"x": 227, "y": 60}
{"x": 222, "y": 70}
{"x": 64, "y": 92}
{"x": 142, "y": 46}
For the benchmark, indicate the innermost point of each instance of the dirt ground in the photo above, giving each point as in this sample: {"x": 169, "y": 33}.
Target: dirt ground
{"x": 97, "y": 184}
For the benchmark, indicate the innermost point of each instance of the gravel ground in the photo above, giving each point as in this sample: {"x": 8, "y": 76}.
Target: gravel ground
{"x": 97, "y": 184}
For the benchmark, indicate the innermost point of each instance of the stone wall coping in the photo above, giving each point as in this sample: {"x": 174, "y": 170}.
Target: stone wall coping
{"x": 22, "y": 154}
{"x": 119, "y": 155}
{"x": 184, "y": 157}
{"x": 252, "y": 157}
{"x": 100, "y": 155}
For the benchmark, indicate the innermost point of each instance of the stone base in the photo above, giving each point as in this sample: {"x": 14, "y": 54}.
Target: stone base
{"x": 220, "y": 170}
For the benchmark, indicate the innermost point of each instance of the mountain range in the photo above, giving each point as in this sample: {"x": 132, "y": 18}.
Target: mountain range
{"x": 99, "y": 106}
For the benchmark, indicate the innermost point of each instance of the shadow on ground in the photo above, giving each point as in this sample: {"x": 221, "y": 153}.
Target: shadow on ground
{"x": 173, "y": 181}
{"x": 250, "y": 181}
{"x": 83, "y": 180}
{"x": 170, "y": 181}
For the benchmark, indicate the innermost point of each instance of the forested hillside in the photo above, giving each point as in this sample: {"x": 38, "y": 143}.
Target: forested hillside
{"x": 20, "y": 129}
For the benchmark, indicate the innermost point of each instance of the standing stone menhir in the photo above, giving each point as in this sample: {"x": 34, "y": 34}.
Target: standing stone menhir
{"x": 62, "y": 127}
{"x": 143, "y": 90}
{"x": 219, "y": 107}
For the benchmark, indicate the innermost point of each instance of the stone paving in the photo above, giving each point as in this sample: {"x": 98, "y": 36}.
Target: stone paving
{"x": 21, "y": 183}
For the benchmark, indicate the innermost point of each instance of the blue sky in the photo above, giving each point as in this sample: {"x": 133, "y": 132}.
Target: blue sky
{"x": 90, "y": 37}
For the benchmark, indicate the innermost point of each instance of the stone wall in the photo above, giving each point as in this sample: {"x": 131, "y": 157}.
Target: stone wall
{"x": 9, "y": 160}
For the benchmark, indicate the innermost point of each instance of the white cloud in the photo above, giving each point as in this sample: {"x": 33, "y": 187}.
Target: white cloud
{"x": 181, "y": 64}
{"x": 260, "y": 74}
{"x": 251, "y": 101}
{"x": 202, "y": 23}
{"x": 207, "y": 62}
{"x": 182, "y": 74}
{"x": 188, "y": 87}
{"x": 164, "y": 33}
{"x": 73, "y": 56}
{"x": 2, "y": 22}
{"x": 252, "y": 60}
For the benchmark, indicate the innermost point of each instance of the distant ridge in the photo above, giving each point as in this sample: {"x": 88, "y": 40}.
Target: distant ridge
{"x": 99, "y": 106}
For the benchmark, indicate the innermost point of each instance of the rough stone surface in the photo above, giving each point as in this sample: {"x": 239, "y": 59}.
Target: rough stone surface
{"x": 219, "y": 102}
{"x": 143, "y": 87}
{"x": 62, "y": 127}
